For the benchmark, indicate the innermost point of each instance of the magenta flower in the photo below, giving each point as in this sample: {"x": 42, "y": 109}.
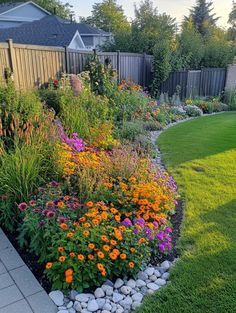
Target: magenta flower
{"x": 160, "y": 235}
{"x": 127, "y": 222}
{"x": 162, "y": 247}
{"x": 61, "y": 219}
{"x": 22, "y": 206}
{"x": 50, "y": 214}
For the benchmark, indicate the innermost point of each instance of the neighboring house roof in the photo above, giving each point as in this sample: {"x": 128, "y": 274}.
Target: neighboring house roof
{"x": 49, "y": 31}
{"x": 5, "y": 7}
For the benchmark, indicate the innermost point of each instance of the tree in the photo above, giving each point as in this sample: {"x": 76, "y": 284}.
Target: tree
{"x": 232, "y": 16}
{"x": 62, "y": 10}
{"x": 110, "y": 17}
{"x": 202, "y": 16}
{"x": 149, "y": 27}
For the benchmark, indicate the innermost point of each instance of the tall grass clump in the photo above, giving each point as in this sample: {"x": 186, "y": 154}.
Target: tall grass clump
{"x": 230, "y": 98}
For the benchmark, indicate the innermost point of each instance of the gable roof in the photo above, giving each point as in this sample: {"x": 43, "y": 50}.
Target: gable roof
{"x": 49, "y": 31}
{"x": 9, "y": 6}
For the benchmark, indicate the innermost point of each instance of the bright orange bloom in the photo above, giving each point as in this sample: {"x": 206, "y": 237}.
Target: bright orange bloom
{"x": 106, "y": 248}
{"x": 100, "y": 254}
{"x": 80, "y": 257}
{"x": 132, "y": 250}
{"x": 63, "y": 226}
{"x": 113, "y": 210}
{"x": 141, "y": 240}
{"x": 123, "y": 256}
{"x": 86, "y": 232}
{"x": 69, "y": 235}
{"x": 61, "y": 205}
{"x": 116, "y": 251}
{"x": 49, "y": 265}
{"x": 60, "y": 249}
{"x": 87, "y": 225}
{"x": 100, "y": 266}
{"x": 89, "y": 204}
{"x": 131, "y": 264}
{"x": 113, "y": 242}
{"x": 69, "y": 279}
{"x": 104, "y": 238}
{"x": 91, "y": 246}
{"x": 62, "y": 258}
{"x": 82, "y": 219}
{"x": 117, "y": 218}
{"x": 95, "y": 221}
{"x": 90, "y": 257}
{"x": 113, "y": 256}
{"x": 72, "y": 254}
{"x": 104, "y": 273}
{"x": 69, "y": 272}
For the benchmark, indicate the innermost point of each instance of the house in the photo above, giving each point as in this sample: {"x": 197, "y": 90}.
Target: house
{"x": 28, "y": 23}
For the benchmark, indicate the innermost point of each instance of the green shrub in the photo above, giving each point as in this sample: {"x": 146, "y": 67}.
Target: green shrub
{"x": 230, "y": 98}
{"x": 131, "y": 129}
{"x": 193, "y": 110}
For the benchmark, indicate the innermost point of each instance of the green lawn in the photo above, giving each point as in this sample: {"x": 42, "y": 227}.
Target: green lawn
{"x": 201, "y": 155}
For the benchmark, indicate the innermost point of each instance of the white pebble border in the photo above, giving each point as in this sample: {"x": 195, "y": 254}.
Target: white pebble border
{"x": 124, "y": 295}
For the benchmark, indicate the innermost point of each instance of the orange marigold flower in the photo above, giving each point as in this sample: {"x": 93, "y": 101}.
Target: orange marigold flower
{"x": 86, "y": 232}
{"x": 49, "y": 265}
{"x": 90, "y": 257}
{"x": 72, "y": 254}
{"x": 91, "y": 246}
{"x": 123, "y": 256}
{"x": 117, "y": 218}
{"x": 62, "y": 259}
{"x": 80, "y": 257}
{"x": 132, "y": 250}
{"x": 89, "y": 204}
{"x": 60, "y": 249}
{"x": 100, "y": 266}
{"x": 104, "y": 238}
{"x": 141, "y": 240}
{"x": 104, "y": 273}
{"x": 100, "y": 254}
{"x": 63, "y": 226}
{"x": 95, "y": 221}
{"x": 106, "y": 248}
{"x": 69, "y": 272}
{"x": 87, "y": 225}
{"x": 69, "y": 235}
{"x": 61, "y": 205}
{"x": 113, "y": 210}
{"x": 113, "y": 242}
{"x": 113, "y": 256}
{"x": 69, "y": 279}
{"x": 116, "y": 251}
{"x": 82, "y": 219}
{"x": 131, "y": 264}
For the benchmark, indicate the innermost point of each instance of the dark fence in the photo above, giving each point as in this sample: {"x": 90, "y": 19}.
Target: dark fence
{"x": 205, "y": 82}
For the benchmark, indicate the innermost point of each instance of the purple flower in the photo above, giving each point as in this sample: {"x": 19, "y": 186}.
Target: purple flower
{"x": 50, "y": 214}
{"x": 162, "y": 247}
{"x": 155, "y": 223}
{"x": 127, "y": 222}
{"x": 61, "y": 219}
{"x": 160, "y": 235}
{"x": 136, "y": 231}
{"x": 23, "y": 206}
{"x": 41, "y": 223}
{"x": 168, "y": 230}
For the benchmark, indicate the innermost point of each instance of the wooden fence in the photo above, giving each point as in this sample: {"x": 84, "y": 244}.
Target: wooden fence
{"x": 35, "y": 65}
{"x": 205, "y": 82}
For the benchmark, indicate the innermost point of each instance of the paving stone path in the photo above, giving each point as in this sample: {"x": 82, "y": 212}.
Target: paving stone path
{"x": 20, "y": 292}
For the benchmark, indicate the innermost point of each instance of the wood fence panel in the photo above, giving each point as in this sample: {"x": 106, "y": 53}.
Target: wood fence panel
{"x": 176, "y": 79}
{"x": 4, "y": 60}
{"x": 193, "y": 84}
{"x": 212, "y": 81}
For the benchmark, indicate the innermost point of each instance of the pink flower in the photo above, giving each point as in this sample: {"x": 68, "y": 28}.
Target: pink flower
{"x": 22, "y": 206}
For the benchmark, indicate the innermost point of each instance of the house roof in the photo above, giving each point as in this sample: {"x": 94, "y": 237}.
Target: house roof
{"x": 8, "y": 6}
{"x": 49, "y": 31}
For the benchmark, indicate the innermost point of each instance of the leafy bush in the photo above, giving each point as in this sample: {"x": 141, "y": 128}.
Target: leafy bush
{"x": 193, "y": 110}
{"x": 131, "y": 129}
{"x": 230, "y": 98}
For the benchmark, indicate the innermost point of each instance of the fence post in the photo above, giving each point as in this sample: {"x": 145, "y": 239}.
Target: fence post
{"x": 95, "y": 51}
{"x": 118, "y": 66}
{"x": 66, "y": 60}
{"x": 144, "y": 69}
{"x": 11, "y": 55}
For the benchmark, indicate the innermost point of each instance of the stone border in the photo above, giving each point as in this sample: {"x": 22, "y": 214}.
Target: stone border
{"x": 20, "y": 292}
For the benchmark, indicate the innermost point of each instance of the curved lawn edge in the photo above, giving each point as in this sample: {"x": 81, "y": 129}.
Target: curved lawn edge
{"x": 201, "y": 155}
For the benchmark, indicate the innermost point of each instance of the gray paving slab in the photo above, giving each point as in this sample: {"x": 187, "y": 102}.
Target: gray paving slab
{"x": 10, "y": 295}
{"x": 5, "y": 281}
{"x": 41, "y": 303}
{"x": 17, "y": 307}
{"x": 11, "y": 259}
{"x": 25, "y": 281}
{"x": 2, "y": 268}
{"x": 4, "y": 242}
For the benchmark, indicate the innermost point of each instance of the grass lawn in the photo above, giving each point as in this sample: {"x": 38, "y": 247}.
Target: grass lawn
{"x": 201, "y": 155}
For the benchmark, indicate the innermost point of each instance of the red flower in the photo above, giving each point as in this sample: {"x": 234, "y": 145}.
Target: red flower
{"x": 56, "y": 82}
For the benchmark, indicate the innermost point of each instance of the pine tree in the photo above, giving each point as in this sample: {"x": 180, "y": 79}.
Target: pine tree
{"x": 232, "y": 16}
{"x": 202, "y": 16}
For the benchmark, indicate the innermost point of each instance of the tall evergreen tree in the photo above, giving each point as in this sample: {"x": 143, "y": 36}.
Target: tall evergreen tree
{"x": 232, "y": 16}
{"x": 202, "y": 16}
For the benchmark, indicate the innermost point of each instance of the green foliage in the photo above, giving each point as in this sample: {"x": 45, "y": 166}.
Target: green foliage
{"x": 130, "y": 130}
{"x": 230, "y": 98}
{"x": 102, "y": 77}
{"x": 193, "y": 110}
{"x": 161, "y": 64}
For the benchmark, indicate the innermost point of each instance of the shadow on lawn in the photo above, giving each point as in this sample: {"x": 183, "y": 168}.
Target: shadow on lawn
{"x": 199, "y": 138}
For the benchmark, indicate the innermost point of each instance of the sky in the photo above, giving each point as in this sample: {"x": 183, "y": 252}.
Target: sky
{"x": 176, "y": 8}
